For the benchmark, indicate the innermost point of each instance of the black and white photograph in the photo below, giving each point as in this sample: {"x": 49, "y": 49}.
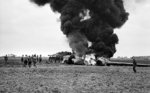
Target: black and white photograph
{"x": 74, "y": 46}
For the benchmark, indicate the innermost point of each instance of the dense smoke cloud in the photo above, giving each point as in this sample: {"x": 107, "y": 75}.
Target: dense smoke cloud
{"x": 84, "y": 21}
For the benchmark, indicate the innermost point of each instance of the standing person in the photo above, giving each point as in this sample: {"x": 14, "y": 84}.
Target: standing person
{"x": 22, "y": 58}
{"x": 34, "y": 60}
{"x": 134, "y": 64}
{"x": 25, "y": 60}
{"x": 37, "y": 58}
{"x": 29, "y": 61}
{"x": 6, "y": 58}
{"x": 40, "y": 59}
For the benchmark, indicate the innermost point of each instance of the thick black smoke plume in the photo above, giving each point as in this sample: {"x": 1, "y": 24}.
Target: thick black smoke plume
{"x": 84, "y": 21}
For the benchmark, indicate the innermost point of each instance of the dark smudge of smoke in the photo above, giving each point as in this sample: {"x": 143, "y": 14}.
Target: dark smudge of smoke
{"x": 84, "y": 21}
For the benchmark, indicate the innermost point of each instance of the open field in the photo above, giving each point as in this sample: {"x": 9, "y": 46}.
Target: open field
{"x": 16, "y": 62}
{"x": 74, "y": 79}
{"x": 59, "y": 78}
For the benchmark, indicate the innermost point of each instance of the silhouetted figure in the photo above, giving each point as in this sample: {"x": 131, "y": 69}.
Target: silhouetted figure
{"x": 29, "y": 61}
{"x": 34, "y": 60}
{"x": 22, "y": 58}
{"x": 25, "y": 60}
{"x": 37, "y": 58}
{"x": 6, "y": 58}
{"x": 134, "y": 65}
{"x": 40, "y": 59}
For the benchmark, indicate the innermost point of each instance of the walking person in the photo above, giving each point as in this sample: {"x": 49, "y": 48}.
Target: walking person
{"x": 134, "y": 64}
{"x": 6, "y": 58}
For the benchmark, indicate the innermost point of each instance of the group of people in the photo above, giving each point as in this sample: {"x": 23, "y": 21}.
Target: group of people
{"x": 30, "y": 60}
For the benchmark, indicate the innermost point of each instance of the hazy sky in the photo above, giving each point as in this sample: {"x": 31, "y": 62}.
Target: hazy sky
{"x": 27, "y": 29}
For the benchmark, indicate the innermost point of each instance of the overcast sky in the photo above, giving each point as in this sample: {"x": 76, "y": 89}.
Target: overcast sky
{"x": 28, "y": 29}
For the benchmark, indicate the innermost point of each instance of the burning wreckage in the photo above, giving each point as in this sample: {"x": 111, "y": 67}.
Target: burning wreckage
{"x": 88, "y": 59}
{"x": 89, "y": 25}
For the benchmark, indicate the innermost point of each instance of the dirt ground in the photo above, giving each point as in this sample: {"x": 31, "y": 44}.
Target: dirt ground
{"x": 74, "y": 79}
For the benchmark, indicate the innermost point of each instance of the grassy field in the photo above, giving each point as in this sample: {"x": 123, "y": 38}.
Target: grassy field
{"x": 48, "y": 78}
{"x": 59, "y": 78}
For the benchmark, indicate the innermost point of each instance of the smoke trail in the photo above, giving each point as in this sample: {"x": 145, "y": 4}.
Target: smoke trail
{"x": 90, "y": 20}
